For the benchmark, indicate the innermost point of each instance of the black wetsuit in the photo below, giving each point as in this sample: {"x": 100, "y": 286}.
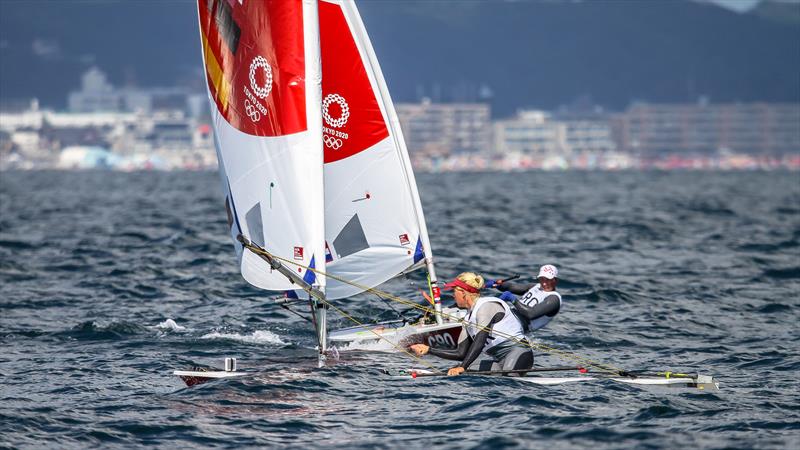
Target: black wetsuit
{"x": 508, "y": 355}
{"x": 548, "y": 307}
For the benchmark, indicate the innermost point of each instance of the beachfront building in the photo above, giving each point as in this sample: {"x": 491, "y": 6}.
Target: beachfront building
{"x": 97, "y": 94}
{"x": 651, "y": 130}
{"x": 534, "y": 138}
{"x": 530, "y": 132}
{"x": 587, "y": 136}
{"x": 437, "y": 129}
{"x": 37, "y": 138}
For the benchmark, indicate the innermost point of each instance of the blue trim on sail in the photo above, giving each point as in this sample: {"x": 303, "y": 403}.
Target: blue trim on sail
{"x": 233, "y": 205}
{"x": 310, "y": 276}
{"x": 291, "y": 294}
{"x": 419, "y": 254}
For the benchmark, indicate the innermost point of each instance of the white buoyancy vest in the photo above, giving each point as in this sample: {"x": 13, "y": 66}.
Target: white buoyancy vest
{"x": 503, "y": 330}
{"x": 533, "y": 297}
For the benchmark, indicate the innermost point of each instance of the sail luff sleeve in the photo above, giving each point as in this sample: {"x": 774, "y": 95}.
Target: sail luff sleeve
{"x": 314, "y": 117}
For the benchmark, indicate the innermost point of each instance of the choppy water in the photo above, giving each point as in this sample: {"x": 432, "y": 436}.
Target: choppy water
{"x": 110, "y": 281}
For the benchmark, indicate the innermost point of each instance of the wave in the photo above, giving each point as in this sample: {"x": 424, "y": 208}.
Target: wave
{"x": 169, "y": 325}
{"x": 92, "y": 330}
{"x": 257, "y": 337}
{"x": 370, "y": 346}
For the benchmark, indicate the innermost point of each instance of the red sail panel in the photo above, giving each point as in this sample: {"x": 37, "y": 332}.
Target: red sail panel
{"x": 352, "y": 119}
{"x": 255, "y": 63}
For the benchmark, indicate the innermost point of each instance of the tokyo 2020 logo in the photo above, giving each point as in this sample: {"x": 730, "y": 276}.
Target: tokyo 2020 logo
{"x": 252, "y": 111}
{"x": 332, "y": 142}
{"x": 341, "y": 120}
{"x": 262, "y": 91}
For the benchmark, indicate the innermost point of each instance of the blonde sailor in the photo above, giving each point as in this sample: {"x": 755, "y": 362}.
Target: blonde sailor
{"x": 490, "y": 327}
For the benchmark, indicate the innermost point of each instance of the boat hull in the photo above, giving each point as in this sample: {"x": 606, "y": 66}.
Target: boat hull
{"x": 702, "y": 382}
{"x": 400, "y": 334}
{"x": 195, "y": 377}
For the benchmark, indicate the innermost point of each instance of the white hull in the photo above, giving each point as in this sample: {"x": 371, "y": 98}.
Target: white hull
{"x": 397, "y": 333}
{"x": 699, "y": 382}
{"x": 194, "y": 377}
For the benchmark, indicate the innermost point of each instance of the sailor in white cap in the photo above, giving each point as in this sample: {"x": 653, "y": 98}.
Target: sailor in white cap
{"x": 538, "y": 303}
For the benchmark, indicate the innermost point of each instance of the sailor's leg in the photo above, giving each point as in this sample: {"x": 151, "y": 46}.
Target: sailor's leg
{"x": 518, "y": 358}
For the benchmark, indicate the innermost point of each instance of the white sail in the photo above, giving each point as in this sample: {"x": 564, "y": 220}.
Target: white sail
{"x": 374, "y": 226}
{"x": 262, "y": 64}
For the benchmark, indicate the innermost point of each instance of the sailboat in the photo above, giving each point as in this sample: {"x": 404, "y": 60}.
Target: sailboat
{"x": 319, "y": 192}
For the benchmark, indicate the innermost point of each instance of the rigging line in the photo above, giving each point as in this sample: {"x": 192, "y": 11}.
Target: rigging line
{"x": 399, "y": 314}
{"x": 286, "y": 307}
{"x": 524, "y": 342}
{"x": 602, "y": 366}
{"x": 343, "y": 313}
{"x": 533, "y": 345}
{"x": 567, "y": 355}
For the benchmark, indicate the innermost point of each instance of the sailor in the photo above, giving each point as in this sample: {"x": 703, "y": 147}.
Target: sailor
{"x": 489, "y": 327}
{"x": 538, "y": 303}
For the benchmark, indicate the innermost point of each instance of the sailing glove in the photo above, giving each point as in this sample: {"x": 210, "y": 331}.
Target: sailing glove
{"x": 508, "y": 296}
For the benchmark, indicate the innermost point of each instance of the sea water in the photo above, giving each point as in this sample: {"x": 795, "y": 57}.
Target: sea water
{"x": 109, "y": 282}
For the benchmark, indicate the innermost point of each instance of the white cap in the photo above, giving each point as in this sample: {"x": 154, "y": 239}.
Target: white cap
{"x": 548, "y": 271}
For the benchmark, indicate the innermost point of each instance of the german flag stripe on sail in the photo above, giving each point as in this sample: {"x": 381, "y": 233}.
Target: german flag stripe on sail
{"x": 220, "y": 87}
{"x": 255, "y": 63}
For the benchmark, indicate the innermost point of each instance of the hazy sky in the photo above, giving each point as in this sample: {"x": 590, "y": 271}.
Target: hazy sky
{"x": 744, "y": 5}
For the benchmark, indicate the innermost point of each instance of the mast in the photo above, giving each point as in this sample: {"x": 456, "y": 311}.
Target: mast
{"x": 316, "y": 296}
{"x": 263, "y": 77}
{"x": 313, "y": 80}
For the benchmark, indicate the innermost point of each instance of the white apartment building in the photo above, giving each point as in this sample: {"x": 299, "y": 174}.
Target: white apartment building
{"x": 765, "y": 128}
{"x": 535, "y": 133}
{"x": 437, "y": 129}
{"x": 98, "y": 95}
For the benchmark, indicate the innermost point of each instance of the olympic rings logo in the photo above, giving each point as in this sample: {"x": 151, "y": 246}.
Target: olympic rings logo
{"x": 260, "y": 63}
{"x": 339, "y": 100}
{"x": 252, "y": 111}
{"x": 332, "y": 142}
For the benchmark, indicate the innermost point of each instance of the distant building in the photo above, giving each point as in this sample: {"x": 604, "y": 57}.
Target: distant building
{"x": 529, "y": 133}
{"x": 445, "y": 128}
{"x": 172, "y": 132}
{"x": 535, "y": 133}
{"x": 589, "y": 136}
{"x": 754, "y": 128}
{"x": 98, "y": 95}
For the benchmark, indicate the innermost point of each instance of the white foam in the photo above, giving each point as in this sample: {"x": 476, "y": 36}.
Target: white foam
{"x": 372, "y": 346}
{"x": 257, "y": 337}
{"x": 170, "y": 324}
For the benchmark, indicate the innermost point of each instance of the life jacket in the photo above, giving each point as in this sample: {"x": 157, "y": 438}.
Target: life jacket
{"x": 533, "y": 297}
{"x": 503, "y": 330}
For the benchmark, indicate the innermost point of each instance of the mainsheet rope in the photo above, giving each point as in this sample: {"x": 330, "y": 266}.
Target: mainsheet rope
{"x": 403, "y": 350}
{"x": 586, "y": 362}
